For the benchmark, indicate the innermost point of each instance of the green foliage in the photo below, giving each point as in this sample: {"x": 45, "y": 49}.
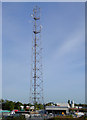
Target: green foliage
{"x": 17, "y": 105}
{"x": 39, "y": 106}
{"x": 83, "y": 105}
{"x": 8, "y": 105}
{"x": 15, "y": 118}
{"x": 48, "y": 104}
{"x": 1, "y": 100}
{"x": 27, "y": 105}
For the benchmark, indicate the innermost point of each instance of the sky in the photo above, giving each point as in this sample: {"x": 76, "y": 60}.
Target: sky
{"x": 43, "y": 0}
{"x": 63, "y": 40}
{"x": 0, "y": 50}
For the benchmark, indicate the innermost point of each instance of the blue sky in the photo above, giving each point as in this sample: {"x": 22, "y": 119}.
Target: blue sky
{"x": 0, "y": 50}
{"x": 63, "y": 39}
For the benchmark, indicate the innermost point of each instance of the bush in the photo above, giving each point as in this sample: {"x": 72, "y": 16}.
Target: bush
{"x": 14, "y": 118}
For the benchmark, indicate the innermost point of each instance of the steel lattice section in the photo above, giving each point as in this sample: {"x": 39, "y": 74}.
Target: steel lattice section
{"x": 36, "y": 87}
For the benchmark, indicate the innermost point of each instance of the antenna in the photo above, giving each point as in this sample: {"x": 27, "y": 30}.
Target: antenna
{"x": 36, "y": 88}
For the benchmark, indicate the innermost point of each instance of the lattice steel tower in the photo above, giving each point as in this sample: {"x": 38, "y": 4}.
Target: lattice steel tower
{"x": 36, "y": 88}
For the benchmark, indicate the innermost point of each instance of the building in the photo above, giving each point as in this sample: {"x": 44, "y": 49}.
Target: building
{"x": 57, "y": 109}
{"x": 63, "y": 104}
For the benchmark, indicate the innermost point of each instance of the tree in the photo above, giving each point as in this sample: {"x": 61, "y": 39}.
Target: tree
{"x": 8, "y": 105}
{"x": 17, "y": 105}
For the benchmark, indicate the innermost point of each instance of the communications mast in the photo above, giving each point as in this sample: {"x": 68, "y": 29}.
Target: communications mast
{"x": 36, "y": 88}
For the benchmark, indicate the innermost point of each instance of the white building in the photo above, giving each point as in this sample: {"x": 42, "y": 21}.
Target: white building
{"x": 63, "y": 105}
